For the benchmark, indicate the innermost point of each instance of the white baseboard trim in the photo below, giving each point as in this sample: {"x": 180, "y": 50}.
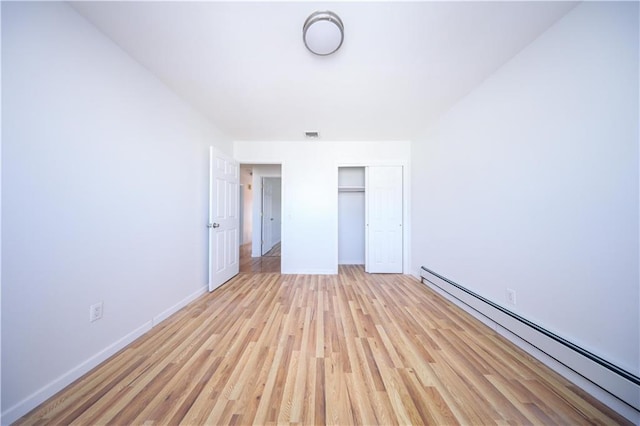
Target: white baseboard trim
{"x": 624, "y": 409}
{"x": 38, "y": 397}
{"x": 32, "y": 401}
{"x": 309, "y": 271}
{"x": 596, "y": 391}
{"x": 175, "y": 308}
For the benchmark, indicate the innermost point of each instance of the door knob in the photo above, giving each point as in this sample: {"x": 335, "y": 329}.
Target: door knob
{"x": 213, "y": 225}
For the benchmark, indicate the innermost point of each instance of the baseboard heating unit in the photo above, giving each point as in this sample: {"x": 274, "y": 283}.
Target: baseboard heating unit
{"x": 622, "y": 384}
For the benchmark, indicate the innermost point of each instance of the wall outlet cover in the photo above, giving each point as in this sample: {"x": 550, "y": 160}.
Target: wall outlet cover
{"x": 95, "y": 311}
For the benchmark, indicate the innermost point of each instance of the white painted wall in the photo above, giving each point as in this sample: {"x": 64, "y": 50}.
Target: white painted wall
{"x": 310, "y": 196}
{"x": 104, "y": 198}
{"x": 531, "y": 183}
{"x": 1, "y": 218}
{"x": 260, "y": 171}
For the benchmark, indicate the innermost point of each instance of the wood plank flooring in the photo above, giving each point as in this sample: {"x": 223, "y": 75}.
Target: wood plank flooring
{"x": 346, "y": 349}
{"x": 257, "y": 264}
{"x": 274, "y": 252}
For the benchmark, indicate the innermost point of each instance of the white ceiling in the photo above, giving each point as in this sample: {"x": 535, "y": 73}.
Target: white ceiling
{"x": 245, "y": 66}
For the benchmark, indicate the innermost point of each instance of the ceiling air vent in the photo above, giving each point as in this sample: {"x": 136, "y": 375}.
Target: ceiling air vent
{"x": 311, "y": 135}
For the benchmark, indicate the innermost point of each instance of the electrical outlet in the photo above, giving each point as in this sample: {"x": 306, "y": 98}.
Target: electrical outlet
{"x": 95, "y": 311}
{"x": 511, "y": 296}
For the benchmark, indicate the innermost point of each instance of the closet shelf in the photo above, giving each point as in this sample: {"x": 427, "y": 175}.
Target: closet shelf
{"x": 351, "y": 189}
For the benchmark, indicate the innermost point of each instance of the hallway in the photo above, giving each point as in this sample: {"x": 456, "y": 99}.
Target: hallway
{"x": 270, "y": 262}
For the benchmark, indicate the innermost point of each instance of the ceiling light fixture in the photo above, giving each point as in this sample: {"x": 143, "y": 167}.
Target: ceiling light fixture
{"x": 323, "y": 33}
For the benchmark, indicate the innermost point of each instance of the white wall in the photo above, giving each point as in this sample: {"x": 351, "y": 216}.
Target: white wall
{"x": 531, "y": 183}
{"x": 104, "y": 197}
{"x": 310, "y": 193}
{"x": 0, "y": 219}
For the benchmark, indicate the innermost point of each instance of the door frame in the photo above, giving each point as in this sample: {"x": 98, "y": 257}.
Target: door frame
{"x": 406, "y": 207}
{"x": 256, "y": 205}
{"x": 268, "y": 226}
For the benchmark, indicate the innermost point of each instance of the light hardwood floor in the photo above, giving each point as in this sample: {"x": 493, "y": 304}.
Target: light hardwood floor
{"x": 347, "y": 349}
{"x": 257, "y": 264}
{"x": 275, "y": 251}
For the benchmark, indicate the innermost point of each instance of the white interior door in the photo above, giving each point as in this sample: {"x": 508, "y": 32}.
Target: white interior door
{"x": 224, "y": 221}
{"x": 276, "y": 210}
{"x": 267, "y": 215}
{"x": 384, "y": 219}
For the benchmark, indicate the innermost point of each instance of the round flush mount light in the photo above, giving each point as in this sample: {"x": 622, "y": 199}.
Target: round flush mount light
{"x": 323, "y": 33}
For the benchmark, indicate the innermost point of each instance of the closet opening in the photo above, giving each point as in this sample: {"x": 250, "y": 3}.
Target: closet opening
{"x": 351, "y": 215}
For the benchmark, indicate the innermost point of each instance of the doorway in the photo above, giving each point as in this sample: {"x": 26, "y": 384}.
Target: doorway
{"x": 351, "y": 216}
{"x": 370, "y": 217}
{"x": 261, "y": 246}
{"x": 271, "y": 216}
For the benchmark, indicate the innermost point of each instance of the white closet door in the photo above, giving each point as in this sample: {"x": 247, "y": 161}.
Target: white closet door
{"x": 384, "y": 219}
